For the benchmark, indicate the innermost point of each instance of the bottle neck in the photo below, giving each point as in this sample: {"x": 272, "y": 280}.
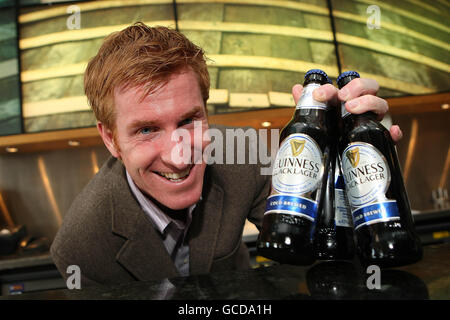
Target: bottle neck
{"x": 307, "y": 100}
{"x": 351, "y": 118}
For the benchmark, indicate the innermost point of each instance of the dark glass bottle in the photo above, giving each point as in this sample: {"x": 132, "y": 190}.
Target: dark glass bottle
{"x": 380, "y": 207}
{"x": 297, "y": 180}
{"x": 333, "y": 238}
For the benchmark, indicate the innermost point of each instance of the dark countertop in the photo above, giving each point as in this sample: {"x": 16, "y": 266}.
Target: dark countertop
{"x": 15, "y": 261}
{"x": 426, "y": 279}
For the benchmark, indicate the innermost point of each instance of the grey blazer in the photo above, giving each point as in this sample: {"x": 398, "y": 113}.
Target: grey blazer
{"x": 106, "y": 233}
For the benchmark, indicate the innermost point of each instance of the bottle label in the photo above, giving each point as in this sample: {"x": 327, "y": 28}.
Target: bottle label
{"x": 307, "y": 101}
{"x": 377, "y": 212}
{"x": 298, "y": 166}
{"x": 343, "y": 216}
{"x": 297, "y": 172}
{"x": 367, "y": 178}
{"x": 282, "y": 203}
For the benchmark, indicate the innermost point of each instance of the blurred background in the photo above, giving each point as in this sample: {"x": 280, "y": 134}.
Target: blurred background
{"x": 257, "y": 50}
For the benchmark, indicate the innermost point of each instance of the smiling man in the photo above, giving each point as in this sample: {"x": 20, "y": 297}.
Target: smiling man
{"x": 143, "y": 139}
{"x": 146, "y": 215}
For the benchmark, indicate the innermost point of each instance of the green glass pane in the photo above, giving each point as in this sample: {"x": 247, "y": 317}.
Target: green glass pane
{"x": 403, "y": 44}
{"x": 10, "y": 108}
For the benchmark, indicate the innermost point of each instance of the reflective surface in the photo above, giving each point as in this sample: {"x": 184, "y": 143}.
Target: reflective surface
{"x": 424, "y": 154}
{"x": 427, "y": 279}
{"x": 38, "y": 188}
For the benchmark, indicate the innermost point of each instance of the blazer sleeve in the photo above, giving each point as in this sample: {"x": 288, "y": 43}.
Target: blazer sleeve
{"x": 62, "y": 266}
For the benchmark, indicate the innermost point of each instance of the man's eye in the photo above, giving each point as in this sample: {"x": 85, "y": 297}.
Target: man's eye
{"x": 146, "y": 130}
{"x": 186, "y": 121}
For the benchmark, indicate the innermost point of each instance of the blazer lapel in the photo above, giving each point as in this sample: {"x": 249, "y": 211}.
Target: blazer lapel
{"x": 205, "y": 226}
{"x": 143, "y": 254}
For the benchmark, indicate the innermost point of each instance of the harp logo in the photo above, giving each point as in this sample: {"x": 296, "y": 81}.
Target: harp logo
{"x": 297, "y": 146}
{"x": 366, "y": 173}
{"x": 353, "y": 156}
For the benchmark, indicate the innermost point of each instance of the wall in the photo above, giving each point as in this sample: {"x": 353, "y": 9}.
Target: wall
{"x": 38, "y": 188}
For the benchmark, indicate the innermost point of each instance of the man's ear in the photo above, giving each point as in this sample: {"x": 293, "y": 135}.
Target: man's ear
{"x": 108, "y": 139}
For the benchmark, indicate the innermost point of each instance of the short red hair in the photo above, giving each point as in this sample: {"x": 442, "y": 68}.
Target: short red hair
{"x": 140, "y": 55}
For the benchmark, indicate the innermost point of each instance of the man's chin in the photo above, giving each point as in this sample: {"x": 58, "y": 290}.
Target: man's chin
{"x": 182, "y": 204}
{"x": 179, "y": 202}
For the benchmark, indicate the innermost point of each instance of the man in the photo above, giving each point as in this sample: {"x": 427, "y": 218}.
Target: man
{"x": 146, "y": 215}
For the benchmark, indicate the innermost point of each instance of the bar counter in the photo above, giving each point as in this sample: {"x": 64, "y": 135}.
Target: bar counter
{"x": 426, "y": 279}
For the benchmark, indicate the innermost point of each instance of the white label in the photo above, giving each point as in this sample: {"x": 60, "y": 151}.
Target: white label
{"x": 307, "y": 101}
{"x": 298, "y": 167}
{"x": 366, "y": 174}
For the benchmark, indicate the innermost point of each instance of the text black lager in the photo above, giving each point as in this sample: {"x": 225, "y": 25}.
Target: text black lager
{"x": 375, "y": 189}
{"x": 297, "y": 180}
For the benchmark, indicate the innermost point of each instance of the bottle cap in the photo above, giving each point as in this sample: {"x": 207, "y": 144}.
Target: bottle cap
{"x": 343, "y": 75}
{"x": 316, "y": 75}
{"x": 315, "y": 71}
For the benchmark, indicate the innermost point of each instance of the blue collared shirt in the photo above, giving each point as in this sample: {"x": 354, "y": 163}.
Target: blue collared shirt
{"x": 173, "y": 232}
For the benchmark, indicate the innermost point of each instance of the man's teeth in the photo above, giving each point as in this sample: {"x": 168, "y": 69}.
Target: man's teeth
{"x": 175, "y": 176}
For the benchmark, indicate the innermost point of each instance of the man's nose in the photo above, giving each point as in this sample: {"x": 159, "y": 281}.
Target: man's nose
{"x": 176, "y": 148}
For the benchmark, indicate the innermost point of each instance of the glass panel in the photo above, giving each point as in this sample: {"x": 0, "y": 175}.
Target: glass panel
{"x": 57, "y": 42}
{"x": 258, "y": 50}
{"x": 10, "y": 111}
{"x": 402, "y": 44}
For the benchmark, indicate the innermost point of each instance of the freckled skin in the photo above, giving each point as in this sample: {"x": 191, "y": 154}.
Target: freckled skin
{"x": 145, "y": 137}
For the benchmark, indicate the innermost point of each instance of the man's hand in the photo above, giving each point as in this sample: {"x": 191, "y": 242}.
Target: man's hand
{"x": 359, "y": 95}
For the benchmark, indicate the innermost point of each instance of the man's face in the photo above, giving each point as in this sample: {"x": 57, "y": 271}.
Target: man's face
{"x": 145, "y": 139}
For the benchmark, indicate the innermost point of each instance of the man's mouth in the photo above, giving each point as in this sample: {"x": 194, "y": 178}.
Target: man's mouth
{"x": 175, "y": 177}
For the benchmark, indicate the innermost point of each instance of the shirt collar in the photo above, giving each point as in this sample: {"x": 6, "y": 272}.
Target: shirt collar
{"x": 156, "y": 215}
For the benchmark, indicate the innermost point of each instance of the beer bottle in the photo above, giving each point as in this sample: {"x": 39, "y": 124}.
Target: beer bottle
{"x": 297, "y": 180}
{"x": 333, "y": 238}
{"x": 343, "y": 216}
{"x": 380, "y": 207}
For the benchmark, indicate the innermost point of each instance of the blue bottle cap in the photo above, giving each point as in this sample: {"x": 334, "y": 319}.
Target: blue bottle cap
{"x": 316, "y": 71}
{"x": 348, "y": 74}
